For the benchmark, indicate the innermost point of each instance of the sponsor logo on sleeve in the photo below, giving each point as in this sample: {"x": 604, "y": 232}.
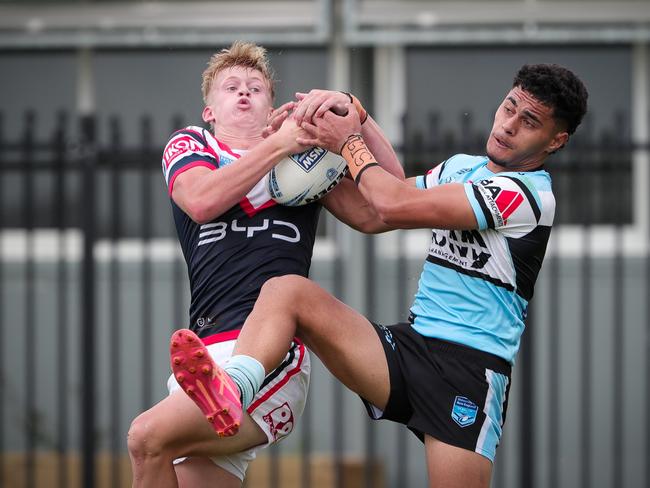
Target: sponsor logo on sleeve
{"x": 508, "y": 201}
{"x": 179, "y": 146}
{"x": 502, "y": 202}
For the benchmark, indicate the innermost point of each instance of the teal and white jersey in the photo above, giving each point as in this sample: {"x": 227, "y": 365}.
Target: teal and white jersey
{"x": 476, "y": 284}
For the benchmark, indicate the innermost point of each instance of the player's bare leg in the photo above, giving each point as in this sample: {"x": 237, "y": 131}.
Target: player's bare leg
{"x": 175, "y": 428}
{"x": 203, "y": 473}
{"x": 342, "y": 338}
{"x": 349, "y": 347}
{"x": 453, "y": 467}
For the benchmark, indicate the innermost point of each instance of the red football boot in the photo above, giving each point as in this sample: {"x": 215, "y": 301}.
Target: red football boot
{"x": 205, "y": 382}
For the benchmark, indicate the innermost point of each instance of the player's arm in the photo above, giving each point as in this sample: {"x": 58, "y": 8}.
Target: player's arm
{"x": 405, "y": 207}
{"x": 382, "y": 149}
{"x": 204, "y": 193}
{"x": 396, "y": 203}
{"x": 348, "y": 205}
{"x": 316, "y": 103}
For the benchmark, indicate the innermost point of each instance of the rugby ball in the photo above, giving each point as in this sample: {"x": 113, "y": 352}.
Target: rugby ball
{"x": 305, "y": 177}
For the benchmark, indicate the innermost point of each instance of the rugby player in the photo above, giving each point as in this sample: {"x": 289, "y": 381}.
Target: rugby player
{"x": 234, "y": 238}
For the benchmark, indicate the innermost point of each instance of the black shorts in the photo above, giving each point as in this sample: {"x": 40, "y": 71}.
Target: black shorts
{"x": 455, "y": 393}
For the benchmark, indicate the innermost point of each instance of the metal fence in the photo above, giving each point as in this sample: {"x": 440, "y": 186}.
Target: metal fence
{"x": 92, "y": 283}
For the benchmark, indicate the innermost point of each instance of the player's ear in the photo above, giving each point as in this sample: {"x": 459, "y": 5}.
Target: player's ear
{"x": 558, "y": 142}
{"x": 208, "y": 114}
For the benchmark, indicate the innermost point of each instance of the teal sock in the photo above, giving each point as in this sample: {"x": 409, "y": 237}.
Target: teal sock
{"x": 248, "y": 374}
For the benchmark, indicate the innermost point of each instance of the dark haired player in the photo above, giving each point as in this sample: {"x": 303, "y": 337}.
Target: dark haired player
{"x": 446, "y": 373}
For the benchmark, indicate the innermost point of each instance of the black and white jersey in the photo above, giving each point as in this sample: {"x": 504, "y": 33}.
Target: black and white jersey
{"x": 476, "y": 284}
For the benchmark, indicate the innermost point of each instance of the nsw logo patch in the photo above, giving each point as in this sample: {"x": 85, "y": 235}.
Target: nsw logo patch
{"x": 309, "y": 159}
{"x": 464, "y": 411}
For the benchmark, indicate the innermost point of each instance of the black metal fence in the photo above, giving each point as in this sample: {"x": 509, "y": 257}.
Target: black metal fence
{"x": 92, "y": 283}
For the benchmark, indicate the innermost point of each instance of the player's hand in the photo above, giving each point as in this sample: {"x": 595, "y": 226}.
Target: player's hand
{"x": 331, "y": 131}
{"x": 288, "y": 137}
{"x": 314, "y": 104}
{"x": 277, "y": 117}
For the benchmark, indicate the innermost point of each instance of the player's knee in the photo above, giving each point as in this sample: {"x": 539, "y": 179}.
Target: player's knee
{"x": 143, "y": 439}
{"x": 287, "y": 286}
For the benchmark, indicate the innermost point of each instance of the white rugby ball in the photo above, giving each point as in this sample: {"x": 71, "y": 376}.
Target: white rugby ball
{"x": 305, "y": 177}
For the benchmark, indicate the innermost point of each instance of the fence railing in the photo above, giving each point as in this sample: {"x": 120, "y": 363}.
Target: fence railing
{"x": 92, "y": 283}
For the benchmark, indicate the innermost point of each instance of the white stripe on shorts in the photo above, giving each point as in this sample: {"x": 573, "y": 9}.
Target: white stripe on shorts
{"x": 488, "y": 439}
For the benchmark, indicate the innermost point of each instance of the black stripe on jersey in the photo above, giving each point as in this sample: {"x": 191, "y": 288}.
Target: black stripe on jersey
{"x": 442, "y": 168}
{"x": 193, "y": 134}
{"x": 277, "y": 371}
{"x": 527, "y": 254}
{"x": 486, "y": 211}
{"x": 469, "y": 272}
{"x": 531, "y": 199}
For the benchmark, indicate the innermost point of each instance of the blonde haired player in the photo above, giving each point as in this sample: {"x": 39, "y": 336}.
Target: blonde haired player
{"x": 234, "y": 238}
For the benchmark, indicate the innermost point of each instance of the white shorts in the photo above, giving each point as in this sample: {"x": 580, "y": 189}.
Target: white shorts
{"x": 277, "y": 406}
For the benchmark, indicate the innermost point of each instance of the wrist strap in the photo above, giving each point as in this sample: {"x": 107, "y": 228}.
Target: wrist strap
{"x": 357, "y": 155}
{"x": 363, "y": 113}
{"x": 357, "y": 178}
